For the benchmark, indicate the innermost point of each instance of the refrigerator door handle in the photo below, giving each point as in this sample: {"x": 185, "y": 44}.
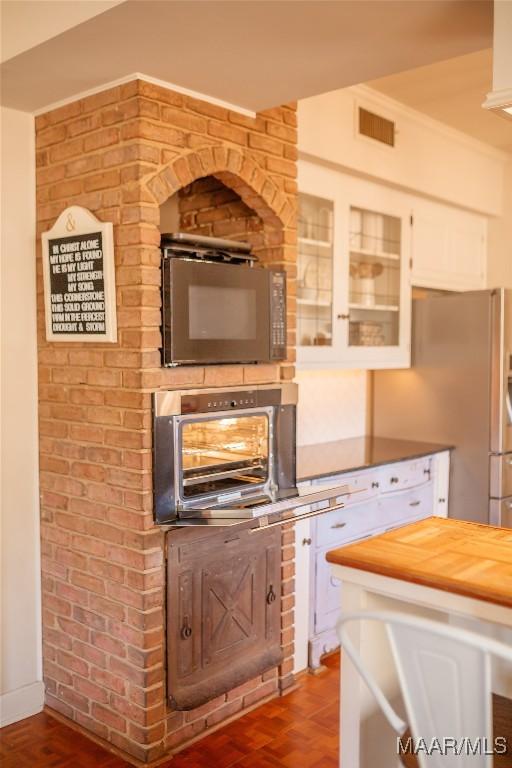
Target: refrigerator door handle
{"x": 508, "y": 400}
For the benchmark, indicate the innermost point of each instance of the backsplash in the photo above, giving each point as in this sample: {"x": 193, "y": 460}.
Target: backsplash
{"x": 332, "y": 405}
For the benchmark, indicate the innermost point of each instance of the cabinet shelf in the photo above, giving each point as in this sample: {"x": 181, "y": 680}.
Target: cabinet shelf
{"x": 375, "y": 307}
{"x": 375, "y": 254}
{"x": 316, "y": 243}
{"x": 313, "y": 303}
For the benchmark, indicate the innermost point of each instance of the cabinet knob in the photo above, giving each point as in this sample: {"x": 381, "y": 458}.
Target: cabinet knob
{"x": 394, "y": 480}
{"x": 306, "y": 542}
{"x": 343, "y": 317}
{"x": 442, "y": 501}
{"x": 375, "y": 484}
{"x": 271, "y": 595}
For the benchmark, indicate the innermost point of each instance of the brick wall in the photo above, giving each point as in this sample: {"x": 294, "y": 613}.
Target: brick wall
{"x": 121, "y": 153}
{"x": 208, "y": 207}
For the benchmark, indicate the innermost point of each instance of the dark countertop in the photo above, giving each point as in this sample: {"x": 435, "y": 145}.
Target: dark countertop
{"x": 323, "y": 459}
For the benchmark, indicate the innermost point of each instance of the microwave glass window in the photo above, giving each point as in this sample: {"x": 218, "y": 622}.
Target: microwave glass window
{"x": 219, "y": 455}
{"x": 236, "y": 321}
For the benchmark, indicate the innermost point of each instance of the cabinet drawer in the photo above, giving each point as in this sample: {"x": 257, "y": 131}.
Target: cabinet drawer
{"x": 365, "y": 484}
{"x": 343, "y": 525}
{"x": 406, "y": 505}
{"x": 406, "y": 474}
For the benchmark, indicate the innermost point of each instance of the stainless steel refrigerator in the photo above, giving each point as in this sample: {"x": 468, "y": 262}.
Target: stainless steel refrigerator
{"x": 458, "y": 391}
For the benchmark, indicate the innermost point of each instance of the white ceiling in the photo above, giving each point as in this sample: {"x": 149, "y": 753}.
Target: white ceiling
{"x": 453, "y": 92}
{"x": 251, "y": 53}
{"x": 30, "y": 22}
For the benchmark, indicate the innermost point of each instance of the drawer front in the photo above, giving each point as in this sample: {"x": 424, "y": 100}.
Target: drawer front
{"x": 336, "y": 528}
{"x": 365, "y": 484}
{"x": 405, "y": 474}
{"x": 407, "y": 505}
{"x": 327, "y": 594}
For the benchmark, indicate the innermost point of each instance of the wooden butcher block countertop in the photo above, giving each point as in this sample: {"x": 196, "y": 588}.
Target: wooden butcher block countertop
{"x": 465, "y": 558}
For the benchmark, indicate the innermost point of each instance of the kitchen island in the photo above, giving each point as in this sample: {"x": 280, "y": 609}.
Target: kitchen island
{"x": 447, "y": 570}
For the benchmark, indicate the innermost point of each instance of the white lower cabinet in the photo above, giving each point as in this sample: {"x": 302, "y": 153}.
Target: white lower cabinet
{"x": 386, "y": 497}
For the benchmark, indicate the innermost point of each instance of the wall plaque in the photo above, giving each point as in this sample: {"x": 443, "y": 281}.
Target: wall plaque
{"x": 79, "y": 278}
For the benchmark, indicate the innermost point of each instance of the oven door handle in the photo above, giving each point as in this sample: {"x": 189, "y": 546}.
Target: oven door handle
{"x": 263, "y": 523}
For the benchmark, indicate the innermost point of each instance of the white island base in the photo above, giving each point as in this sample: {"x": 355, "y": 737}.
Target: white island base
{"x": 367, "y": 741}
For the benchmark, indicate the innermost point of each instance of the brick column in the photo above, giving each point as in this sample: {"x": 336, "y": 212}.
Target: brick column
{"x": 121, "y": 153}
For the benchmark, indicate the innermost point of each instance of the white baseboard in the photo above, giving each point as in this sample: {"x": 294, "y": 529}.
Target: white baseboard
{"x": 21, "y": 703}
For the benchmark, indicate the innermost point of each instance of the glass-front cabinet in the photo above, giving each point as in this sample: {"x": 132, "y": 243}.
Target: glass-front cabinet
{"x": 353, "y": 276}
{"x": 315, "y": 272}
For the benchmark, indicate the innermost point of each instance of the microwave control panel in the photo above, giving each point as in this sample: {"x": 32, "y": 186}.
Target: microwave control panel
{"x": 278, "y": 315}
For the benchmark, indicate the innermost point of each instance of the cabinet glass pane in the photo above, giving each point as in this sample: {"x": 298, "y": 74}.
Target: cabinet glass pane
{"x": 314, "y": 272}
{"x": 374, "y": 292}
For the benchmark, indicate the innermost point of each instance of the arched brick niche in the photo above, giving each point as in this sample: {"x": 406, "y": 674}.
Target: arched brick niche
{"x": 121, "y": 153}
{"x": 198, "y": 179}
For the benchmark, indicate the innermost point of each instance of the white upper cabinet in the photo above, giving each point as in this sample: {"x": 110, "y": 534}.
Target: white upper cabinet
{"x": 449, "y": 247}
{"x": 353, "y": 282}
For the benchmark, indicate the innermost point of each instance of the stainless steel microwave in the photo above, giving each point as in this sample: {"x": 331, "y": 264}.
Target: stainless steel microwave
{"x": 216, "y": 312}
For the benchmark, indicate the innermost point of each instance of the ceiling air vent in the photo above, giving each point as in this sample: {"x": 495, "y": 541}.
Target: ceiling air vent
{"x": 376, "y": 127}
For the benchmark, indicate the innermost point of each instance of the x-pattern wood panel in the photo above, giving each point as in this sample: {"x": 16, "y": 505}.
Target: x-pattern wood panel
{"x": 230, "y": 601}
{"x": 299, "y": 730}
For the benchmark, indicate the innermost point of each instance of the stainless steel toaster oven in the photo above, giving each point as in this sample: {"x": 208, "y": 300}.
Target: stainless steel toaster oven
{"x": 227, "y": 456}
{"x": 217, "y": 447}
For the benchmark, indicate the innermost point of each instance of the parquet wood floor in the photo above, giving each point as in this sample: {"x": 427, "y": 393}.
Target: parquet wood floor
{"x": 297, "y": 731}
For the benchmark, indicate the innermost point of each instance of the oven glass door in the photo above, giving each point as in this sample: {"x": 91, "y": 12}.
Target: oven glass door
{"x": 224, "y": 456}
{"x": 219, "y": 313}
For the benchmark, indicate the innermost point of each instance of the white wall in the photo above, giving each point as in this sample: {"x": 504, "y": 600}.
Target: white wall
{"x": 429, "y": 157}
{"x": 499, "y": 239}
{"x": 20, "y": 682}
{"x": 332, "y": 405}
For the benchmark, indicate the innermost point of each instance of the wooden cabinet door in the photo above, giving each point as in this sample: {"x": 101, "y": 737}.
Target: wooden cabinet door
{"x": 224, "y": 606}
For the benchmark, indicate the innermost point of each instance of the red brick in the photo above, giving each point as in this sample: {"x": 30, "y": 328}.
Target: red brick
{"x": 72, "y": 662}
{"x": 227, "y": 132}
{"x": 59, "y": 706}
{"x": 101, "y": 139}
{"x": 74, "y": 699}
{"x": 90, "y": 724}
{"x": 108, "y": 680}
{"x": 90, "y": 583}
{"x": 111, "y": 719}
{"x": 89, "y": 653}
{"x": 109, "y": 644}
{"x": 91, "y": 690}
{"x": 114, "y": 573}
